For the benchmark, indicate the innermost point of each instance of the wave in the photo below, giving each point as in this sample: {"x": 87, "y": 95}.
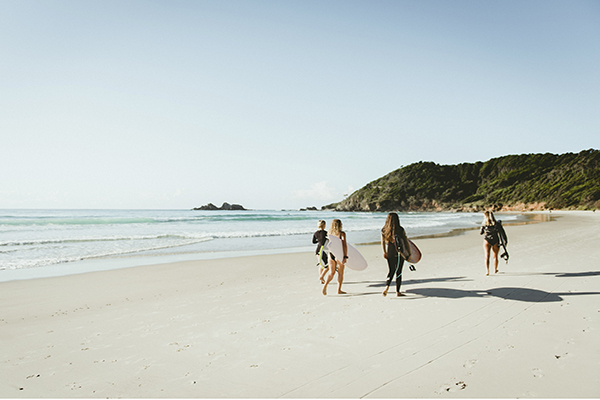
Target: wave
{"x": 137, "y": 221}
{"x": 206, "y": 236}
{"x": 38, "y": 238}
{"x": 38, "y": 242}
{"x": 32, "y": 263}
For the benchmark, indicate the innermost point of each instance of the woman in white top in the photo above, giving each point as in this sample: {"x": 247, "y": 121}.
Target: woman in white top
{"x": 335, "y": 264}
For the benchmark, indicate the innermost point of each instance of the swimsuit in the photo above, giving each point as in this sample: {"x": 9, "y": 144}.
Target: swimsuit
{"x": 332, "y": 256}
{"x": 490, "y": 234}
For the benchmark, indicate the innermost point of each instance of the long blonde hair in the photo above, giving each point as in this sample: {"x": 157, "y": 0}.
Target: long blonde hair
{"x": 391, "y": 227}
{"x": 488, "y": 219}
{"x": 336, "y": 227}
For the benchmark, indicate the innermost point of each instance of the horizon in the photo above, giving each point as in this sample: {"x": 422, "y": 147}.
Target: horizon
{"x": 170, "y": 105}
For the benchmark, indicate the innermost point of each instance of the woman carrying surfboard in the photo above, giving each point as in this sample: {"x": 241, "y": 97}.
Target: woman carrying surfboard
{"x": 337, "y": 264}
{"x": 320, "y": 238}
{"x": 396, "y": 249}
{"x": 494, "y": 236}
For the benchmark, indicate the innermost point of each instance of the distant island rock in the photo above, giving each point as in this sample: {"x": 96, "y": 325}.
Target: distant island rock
{"x": 226, "y": 206}
{"x": 309, "y": 209}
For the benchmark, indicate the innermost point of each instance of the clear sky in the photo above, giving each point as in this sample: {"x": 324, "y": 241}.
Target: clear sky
{"x": 280, "y": 104}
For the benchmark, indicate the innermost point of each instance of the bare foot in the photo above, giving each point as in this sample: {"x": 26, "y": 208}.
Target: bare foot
{"x": 340, "y": 292}
{"x": 385, "y": 293}
{"x": 324, "y": 290}
{"x": 496, "y": 271}
{"x": 322, "y": 281}
{"x": 398, "y": 294}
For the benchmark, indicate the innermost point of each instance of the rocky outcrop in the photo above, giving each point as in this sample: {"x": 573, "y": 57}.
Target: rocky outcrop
{"x": 226, "y": 206}
{"x": 526, "y": 182}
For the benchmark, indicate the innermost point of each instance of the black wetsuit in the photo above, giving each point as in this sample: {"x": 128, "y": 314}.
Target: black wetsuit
{"x": 395, "y": 264}
{"x": 395, "y": 260}
{"x": 490, "y": 234}
{"x": 320, "y": 237}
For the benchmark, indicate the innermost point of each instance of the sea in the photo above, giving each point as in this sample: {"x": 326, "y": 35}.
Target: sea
{"x": 43, "y": 243}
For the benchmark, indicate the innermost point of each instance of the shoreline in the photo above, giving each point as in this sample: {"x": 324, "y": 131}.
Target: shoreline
{"x": 104, "y": 263}
{"x": 184, "y": 329}
{"x": 533, "y": 217}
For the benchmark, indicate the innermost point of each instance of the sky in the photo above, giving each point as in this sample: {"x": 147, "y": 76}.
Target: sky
{"x": 280, "y": 104}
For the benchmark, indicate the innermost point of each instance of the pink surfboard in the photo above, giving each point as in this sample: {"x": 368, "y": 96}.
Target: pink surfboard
{"x": 415, "y": 253}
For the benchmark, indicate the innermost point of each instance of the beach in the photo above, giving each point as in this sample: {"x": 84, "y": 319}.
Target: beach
{"x": 258, "y": 326}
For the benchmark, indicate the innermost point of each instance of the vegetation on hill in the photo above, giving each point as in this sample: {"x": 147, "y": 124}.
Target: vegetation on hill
{"x": 518, "y": 182}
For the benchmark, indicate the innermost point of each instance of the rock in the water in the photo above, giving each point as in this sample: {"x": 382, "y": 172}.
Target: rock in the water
{"x": 226, "y": 206}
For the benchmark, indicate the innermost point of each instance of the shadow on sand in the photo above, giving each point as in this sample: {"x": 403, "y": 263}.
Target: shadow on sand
{"x": 413, "y": 281}
{"x": 555, "y": 274}
{"x": 506, "y": 293}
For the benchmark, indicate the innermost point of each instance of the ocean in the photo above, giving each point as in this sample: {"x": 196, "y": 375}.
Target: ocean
{"x": 35, "y": 243}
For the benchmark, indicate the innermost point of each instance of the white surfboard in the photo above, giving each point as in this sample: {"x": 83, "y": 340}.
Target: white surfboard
{"x": 355, "y": 260}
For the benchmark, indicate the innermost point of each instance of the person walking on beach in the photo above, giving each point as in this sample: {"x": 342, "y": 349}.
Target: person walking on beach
{"x": 334, "y": 264}
{"x": 395, "y": 250}
{"x": 491, "y": 240}
{"x": 319, "y": 238}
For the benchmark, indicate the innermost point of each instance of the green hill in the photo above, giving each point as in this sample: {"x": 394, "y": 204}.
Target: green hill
{"x": 527, "y": 181}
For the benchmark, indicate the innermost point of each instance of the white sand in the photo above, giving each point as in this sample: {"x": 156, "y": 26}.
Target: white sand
{"x": 259, "y": 326}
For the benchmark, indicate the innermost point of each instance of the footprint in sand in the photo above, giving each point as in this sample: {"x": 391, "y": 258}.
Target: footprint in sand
{"x": 562, "y": 356}
{"x": 460, "y": 385}
{"x": 537, "y": 373}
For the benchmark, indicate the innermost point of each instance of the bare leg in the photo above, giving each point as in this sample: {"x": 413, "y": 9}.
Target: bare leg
{"x": 341, "y": 268}
{"x": 486, "y": 250}
{"x": 332, "y": 267}
{"x": 495, "y": 251}
{"x": 322, "y": 273}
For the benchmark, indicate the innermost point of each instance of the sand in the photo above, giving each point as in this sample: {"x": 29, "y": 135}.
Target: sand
{"x": 260, "y": 327}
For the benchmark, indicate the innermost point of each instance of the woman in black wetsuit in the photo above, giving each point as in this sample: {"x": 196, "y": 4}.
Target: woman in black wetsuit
{"x": 395, "y": 250}
{"x": 491, "y": 240}
{"x": 319, "y": 238}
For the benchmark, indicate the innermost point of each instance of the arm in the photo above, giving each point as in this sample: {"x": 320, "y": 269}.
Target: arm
{"x": 383, "y": 246}
{"x": 344, "y": 246}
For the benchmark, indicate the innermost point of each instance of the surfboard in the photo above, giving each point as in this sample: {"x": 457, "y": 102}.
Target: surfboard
{"x": 355, "y": 260}
{"x": 322, "y": 256}
{"x": 415, "y": 253}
